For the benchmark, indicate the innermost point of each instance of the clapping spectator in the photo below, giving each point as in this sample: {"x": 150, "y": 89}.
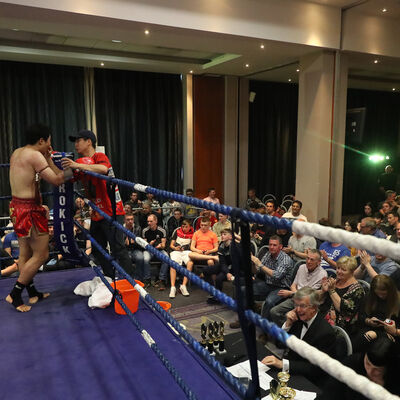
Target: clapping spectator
{"x": 373, "y": 265}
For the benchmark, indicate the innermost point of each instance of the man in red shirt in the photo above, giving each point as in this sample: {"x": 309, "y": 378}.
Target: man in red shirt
{"x": 96, "y": 190}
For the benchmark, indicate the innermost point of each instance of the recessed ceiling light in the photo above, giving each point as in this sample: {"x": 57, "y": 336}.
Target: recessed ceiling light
{"x": 191, "y": 71}
{"x": 15, "y": 29}
{"x": 376, "y": 61}
{"x": 290, "y": 80}
{"x": 116, "y": 41}
{"x": 393, "y": 89}
{"x": 147, "y": 32}
{"x": 262, "y": 46}
{"x": 247, "y": 65}
{"x": 384, "y": 9}
{"x": 297, "y": 70}
{"x": 102, "y": 64}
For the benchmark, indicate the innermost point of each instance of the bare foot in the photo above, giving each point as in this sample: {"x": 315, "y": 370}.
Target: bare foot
{"x": 21, "y": 308}
{"x": 35, "y": 299}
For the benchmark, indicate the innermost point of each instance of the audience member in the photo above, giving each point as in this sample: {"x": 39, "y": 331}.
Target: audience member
{"x": 295, "y": 213}
{"x": 373, "y": 265}
{"x": 368, "y": 211}
{"x": 168, "y": 209}
{"x": 190, "y": 212}
{"x": 135, "y": 203}
{"x": 136, "y": 252}
{"x": 203, "y": 248}
{"x": 175, "y": 221}
{"x": 396, "y": 237}
{"x": 276, "y": 267}
{"x": 212, "y": 196}
{"x": 392, "y": 220}
{"x": 306, "y": 323}
{"x": 298, "y": 246}
{"x": 155, "y": 236}
{"x": 154, "y": 203}
{"x": 205, "y": 214}
{"x": 7, "y": 264}
{"x": 331, "y": 252}
{"x": 222, "y": 224}
{"x": 270, "y": 207}
{"x": 144, "y": 213}
{"x": 309, "y": 274}
{"x": 180, "y": 246}
{"x": 380, "y": 313}
{"x": 251, "y": 198}
{"x": 217, "y": 274}
{"x": 380, "y": 364}
{"x": 11, "y": 245}
{"x": 342, "y": 297}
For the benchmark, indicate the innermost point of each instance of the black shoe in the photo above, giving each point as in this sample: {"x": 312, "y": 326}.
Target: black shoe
{"x": 234, "y": 325}
{"x": 213, "y": 300}
{"x": 162, "y": 285}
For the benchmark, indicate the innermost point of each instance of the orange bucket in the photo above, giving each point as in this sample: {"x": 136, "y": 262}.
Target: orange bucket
{"x": 129, "y": 295}
{"x": 165, "y": 305}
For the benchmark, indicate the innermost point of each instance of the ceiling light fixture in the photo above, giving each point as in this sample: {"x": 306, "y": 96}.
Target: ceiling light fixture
{"x": 376, "y": 61}
{"x": 384, "y": 9}
{"x": 147, "y": 32}
{"x": 102, "y": 64}
{"x": 394, "y": 89}
{"x": 15, "y": 29}
{"x": 247, "y": 65}
{"x": 297, "y": 70}
{"x": 191, "y": 71}
{"x": 261, "y": 46}
{"x": 116, "y": 41}
{"x": 290, "y": 80}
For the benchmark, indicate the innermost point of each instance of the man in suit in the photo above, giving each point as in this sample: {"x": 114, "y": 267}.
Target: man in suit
{"x": 306, "y": 323}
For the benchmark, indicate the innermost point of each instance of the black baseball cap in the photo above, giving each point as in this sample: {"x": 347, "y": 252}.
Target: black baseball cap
{"x": 84, "y": 134}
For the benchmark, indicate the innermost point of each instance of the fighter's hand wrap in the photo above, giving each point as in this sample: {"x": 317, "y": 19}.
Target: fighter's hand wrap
{"x": 68, "y": 174}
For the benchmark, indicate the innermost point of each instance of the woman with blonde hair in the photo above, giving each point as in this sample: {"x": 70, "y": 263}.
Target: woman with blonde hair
{"x": 342, "y": 297}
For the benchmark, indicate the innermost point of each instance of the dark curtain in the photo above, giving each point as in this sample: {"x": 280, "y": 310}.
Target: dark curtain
{"x": 139, "y": 121}
{"x": 381, "y": 133}
{"x": 273, "y": 138}
{"x": 31, "y": 93}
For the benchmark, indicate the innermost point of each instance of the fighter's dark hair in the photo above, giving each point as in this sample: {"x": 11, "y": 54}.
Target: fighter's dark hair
{"x": 35, "y": 132}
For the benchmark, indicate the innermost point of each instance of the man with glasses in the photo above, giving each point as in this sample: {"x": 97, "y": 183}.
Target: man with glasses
{"x": 309, "y": 274}
{"x": 306, "y": 323}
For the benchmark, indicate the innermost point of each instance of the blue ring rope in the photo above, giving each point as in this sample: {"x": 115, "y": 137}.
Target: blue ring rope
{"x": 249, "y": 216}
{"x": 4, "y": 165}
{"x": 153, "y": 304}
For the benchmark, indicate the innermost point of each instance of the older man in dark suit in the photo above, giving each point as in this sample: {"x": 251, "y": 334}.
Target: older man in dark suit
{"x": 306, "y": 323}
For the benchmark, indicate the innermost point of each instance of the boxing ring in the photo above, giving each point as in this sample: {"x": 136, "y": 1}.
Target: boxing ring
{"x": 151, "y": 360}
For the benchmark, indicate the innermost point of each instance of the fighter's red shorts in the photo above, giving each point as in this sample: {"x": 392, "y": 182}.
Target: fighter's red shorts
{"x": 26, "y": 213}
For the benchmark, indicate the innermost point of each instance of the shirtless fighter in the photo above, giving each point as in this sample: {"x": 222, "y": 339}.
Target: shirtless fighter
{"x": 28, "y": 165}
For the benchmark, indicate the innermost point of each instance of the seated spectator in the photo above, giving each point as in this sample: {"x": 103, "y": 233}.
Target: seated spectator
{"x": 378, "y": 220}
{"x": 309, "y": 274}
{"x": 217, "y": 274}
{"x": 154, "y": 203}
{"x": 368, "y": 227}
{"x": 190, "y": 212}
{"x": 55, "y": 261}
{"x": 144, "y": 213}
{"x": 136, "y": 252}
{"x": 222, "y": 224}
{"x": 11, "y": 245}
{"x": 128, "y": 209}
{"x": 379, "y": 364}
{"x": 392, "y": 221}
{"x": 168, "y": 209}
{"x": 351, "y": 226}
{"x": 155, "y": 236}
{"x": 295, "y": 213}
{"x": 175, "y": 221}
{"x": 342, "y": 297}
{"x": 306, "y": 323}
{"x": 298, "y": 246}
{"x": 331, "y": 252}
{"x": 251, "y": 198}
{"x": 382, "y": 303}
{"x": 270, "y": 207}
{"x": 82, "y": 209}
{"x": 368, "y": 211}
{"x": 180, "y": 246}
{"x": 212, "y": 198}
{"x": 205, "y": 214}
{"x": 80, "y": 238}
{"x": 8, "y": 265}
{"x": 203, "y": 248}
{"x": 134, "y": 202}
{"x": 276, "y": 267}
{"x": 372, "y": 266}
